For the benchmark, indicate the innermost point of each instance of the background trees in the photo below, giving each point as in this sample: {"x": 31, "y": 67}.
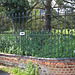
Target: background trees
{"x": 49, "y": 5}
{"x": 26, "y": 8}
{"x": 15, "y": 6}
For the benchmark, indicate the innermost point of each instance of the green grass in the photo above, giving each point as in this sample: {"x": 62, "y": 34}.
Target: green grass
{"x": 43, "y": 44}
{"x": 8, "y": 36}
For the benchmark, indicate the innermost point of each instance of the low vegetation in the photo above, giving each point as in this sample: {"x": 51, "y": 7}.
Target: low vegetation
{"x": 30, "y": 70}
{"x": 40, "y": 44}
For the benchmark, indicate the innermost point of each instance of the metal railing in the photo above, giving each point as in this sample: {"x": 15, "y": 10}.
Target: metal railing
{"x": 29, "y": 35}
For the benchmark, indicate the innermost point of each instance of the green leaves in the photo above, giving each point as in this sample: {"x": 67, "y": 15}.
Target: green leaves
{"x": 16, "y": 6}
{"x": 31, "y": 70}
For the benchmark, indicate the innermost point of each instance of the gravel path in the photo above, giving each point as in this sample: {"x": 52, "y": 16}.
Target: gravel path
{"x": 3, "y": 73}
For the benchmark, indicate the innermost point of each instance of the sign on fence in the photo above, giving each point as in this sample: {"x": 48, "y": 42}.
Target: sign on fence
{"x": 22, "y": 33}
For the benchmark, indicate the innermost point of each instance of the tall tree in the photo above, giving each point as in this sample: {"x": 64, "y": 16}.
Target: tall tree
{"x": 16, "y": 6}
{"x": 48, "y": 5}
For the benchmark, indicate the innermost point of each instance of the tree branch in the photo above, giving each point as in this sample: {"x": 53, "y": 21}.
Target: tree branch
{"x": 60, "y": 20}
{"x": 33, "y": 7}
{"x": 39, "y": 8}
{"x": 68, "y": 2}
{"x": 43, "y": 3}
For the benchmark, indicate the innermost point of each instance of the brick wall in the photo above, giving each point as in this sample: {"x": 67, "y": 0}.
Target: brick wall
{"x": 48, "y": 66}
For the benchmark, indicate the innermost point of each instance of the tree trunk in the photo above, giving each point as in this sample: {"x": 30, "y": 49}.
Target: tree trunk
{"x": 14, "y": 32}
{"x": 47, "y": 25}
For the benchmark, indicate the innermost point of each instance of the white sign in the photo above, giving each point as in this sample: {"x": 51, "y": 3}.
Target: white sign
{"x": 22, "y": 33}
{"x": 74, "y": 51}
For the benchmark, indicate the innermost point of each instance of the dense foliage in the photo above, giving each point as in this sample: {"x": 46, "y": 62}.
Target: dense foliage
{"x": 15, "y": 6}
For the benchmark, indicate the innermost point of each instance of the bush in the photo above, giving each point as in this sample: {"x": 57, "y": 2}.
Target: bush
{"x": 9, "y": 46}
{"x": 31, "y": 70}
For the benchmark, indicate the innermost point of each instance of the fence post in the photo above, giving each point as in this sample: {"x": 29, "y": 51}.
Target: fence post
{"x": 22, "y": 42}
